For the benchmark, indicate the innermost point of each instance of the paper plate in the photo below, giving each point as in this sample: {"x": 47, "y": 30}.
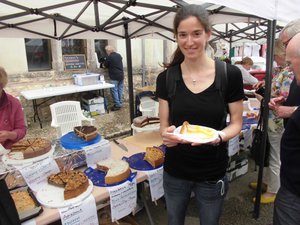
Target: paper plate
{"x": 137, "y": 162}
{"x": 53, "y": 197}
{"x": 196, "y": 138}
{"x": 72, "y": 141}
{"x": 97, "y": 177}
{"x": 10, "y": 159}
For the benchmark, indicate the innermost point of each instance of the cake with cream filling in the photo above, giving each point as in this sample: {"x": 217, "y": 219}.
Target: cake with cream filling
{"x": 116, "y": 170}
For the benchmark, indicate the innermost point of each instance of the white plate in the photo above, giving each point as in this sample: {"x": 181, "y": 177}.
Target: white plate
{"x": 10, "y": 159}
{"x": 53, "y": 197}
{"x": 196, "y": 138}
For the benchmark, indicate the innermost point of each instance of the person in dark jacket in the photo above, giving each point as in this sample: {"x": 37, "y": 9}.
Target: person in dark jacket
{"x": 287, "y": 203}
{"x": 116, "y": 74}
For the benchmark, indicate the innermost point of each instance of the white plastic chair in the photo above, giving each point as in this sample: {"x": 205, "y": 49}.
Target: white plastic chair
{"x": 66, "y": 115}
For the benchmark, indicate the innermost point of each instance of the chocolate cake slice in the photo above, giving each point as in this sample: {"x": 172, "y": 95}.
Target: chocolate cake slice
{"x": 87, "y": 133}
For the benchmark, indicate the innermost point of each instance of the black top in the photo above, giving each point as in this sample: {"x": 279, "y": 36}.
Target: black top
{"x": 293, "y": 97}
{"x": 115, "y": 66}
{"x": 205, "y": 162}
{"x": 290, "y": 154}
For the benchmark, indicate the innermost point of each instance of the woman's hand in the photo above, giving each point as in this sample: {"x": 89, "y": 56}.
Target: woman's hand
{"x": 259, "y": 84}
{"x": 170, "y": 139}
{"x": 4, "y": 135}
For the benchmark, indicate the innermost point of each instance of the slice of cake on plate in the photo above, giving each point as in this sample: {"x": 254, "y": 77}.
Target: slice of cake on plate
{"x": 87, "y": 133}
{"x": 154, "y": 156}
{"x": 116, "y": 170}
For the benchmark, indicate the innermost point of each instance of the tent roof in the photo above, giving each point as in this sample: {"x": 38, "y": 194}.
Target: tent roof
{"x": 107, "y": 19}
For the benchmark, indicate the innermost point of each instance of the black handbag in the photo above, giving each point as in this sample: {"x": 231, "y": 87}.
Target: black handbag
{"x": 257, "y": 135}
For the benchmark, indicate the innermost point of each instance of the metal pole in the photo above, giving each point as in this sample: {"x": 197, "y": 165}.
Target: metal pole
{"x": 129, "y": 70}
{"x": 143, "y": 63}
{"x": 269, "y": 71}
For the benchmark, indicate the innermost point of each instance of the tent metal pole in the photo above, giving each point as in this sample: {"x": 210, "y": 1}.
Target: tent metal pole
{"x": 129, "y": 71}
{"x": 268, "y": 78}
{"x": 143, "y": 64}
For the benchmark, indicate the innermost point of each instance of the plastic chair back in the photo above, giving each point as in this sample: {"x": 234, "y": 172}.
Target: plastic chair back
{"x": 66, "y": 115}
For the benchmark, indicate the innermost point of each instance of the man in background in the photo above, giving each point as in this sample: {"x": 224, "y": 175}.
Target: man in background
{"x": 285, "y": 107}
{"x": 287, "y": 203}
{"x": 116, "y": 74}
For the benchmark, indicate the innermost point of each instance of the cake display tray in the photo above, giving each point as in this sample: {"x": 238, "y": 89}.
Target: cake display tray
{"x": 29, "y": 213}
{"x": 53, "y": 197}
{"x": 10, "y": 159}
{"x": 137, "y": 162}
{"x": 97, "y": 177}
{"x": 72, "y": 142}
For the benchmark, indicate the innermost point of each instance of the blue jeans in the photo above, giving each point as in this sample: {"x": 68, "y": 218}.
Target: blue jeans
{"x": 286, "y": 208}
{"x": 117, "y": 92}
{"x": 209, "y": 197}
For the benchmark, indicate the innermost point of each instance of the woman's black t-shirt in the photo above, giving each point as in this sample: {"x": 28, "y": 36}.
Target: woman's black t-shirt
{"x": 204, "y": 162}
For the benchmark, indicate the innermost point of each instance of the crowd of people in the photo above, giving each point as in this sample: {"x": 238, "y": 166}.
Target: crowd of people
{"x": 200, "y": 168}
{"x": 197, "y": 168}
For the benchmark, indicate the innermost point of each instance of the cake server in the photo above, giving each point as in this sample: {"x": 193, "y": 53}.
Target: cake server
{"x": 122, "y": 146}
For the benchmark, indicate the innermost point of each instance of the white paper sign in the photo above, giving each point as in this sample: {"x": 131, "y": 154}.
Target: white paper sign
{"x": 29, "y": 222}
{"x": 233, "y": 146}
{"x": 155, "y": 178}
{"x": 83, "y": 214}
{"x": 97, "y": 152}
{"x": 247, "y": 137}
{"x": 123, "y": 199}
{"x": 36, "y": 174}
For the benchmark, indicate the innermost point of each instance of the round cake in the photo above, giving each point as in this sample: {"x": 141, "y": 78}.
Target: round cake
{"x": 116, "y": 170}
{"x": 73, "y": 182}
{"x": 31, "y": 147}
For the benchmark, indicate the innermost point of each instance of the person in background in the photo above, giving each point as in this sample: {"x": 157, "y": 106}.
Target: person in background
{"x": 193, "y": 167}
{"x": 12, "y": 129}
{"x": 245, "y": 65}
{"x": 12, "y": 123}
{"x": 287, "y": 203}
{"x": 116, "y": 74}
{"x": 281, "y": 82}
{"x": 284, "y": 107}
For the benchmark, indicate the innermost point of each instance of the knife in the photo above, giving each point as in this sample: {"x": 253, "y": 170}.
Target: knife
{"x": 122, "y": 146}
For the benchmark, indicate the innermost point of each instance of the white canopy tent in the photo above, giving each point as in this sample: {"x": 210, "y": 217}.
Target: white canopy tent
{"x": 127, "y": 19}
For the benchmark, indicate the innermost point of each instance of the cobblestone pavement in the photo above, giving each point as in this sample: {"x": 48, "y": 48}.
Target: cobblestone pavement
{"x": 109, "y": 125}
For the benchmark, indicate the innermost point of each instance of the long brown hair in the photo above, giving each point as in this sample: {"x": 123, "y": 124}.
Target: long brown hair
{"x": 184, "y": 12}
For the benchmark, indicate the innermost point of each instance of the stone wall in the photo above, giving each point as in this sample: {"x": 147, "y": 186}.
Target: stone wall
{"x": 45, "y": 79}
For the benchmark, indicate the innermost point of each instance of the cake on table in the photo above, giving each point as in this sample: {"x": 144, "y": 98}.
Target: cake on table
{"x": 87, "y": 133}
{"x": 73, "y": 182}
{"x": 154, "y": 156}
{"x": 30, "y": 148}
{"x": 116, "y": 170}
{"x": 23, "y": 201}
{"x": 202, "y": 132}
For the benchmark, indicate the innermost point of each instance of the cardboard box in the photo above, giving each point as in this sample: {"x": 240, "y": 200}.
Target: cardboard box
{"x": 237, "y": 167}
{"x": 94, "y": 109}
{"x": 95, "y": 100}
{"x": 86, "y": 79}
